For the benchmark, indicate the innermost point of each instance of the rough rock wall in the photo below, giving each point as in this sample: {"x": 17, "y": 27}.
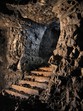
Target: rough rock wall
{"x": 35, "y": 11}
{"x": 69, "y": 51}
{"x": 7, "y": 77}
{"x": 67, "y": 92}
{"x": 24, "y": 41}
{"x": 30, "y": 43}
{"x": 65, "y": 86}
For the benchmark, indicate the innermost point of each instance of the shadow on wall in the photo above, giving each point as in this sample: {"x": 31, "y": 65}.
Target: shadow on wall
{"x": 49, "y": 40}
{"x": 40, "y": 42}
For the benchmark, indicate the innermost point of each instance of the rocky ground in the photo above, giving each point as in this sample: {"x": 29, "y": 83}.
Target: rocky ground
{"x": 19, "y": 19}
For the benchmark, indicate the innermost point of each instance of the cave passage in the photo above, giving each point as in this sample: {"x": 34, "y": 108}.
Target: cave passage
{"x": 41, "y": 39}
{"x": 49, "y": 41}
{"x": 39, "y": 42}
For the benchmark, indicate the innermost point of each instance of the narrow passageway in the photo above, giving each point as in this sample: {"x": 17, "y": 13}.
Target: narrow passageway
{"x": 33, "y": 45}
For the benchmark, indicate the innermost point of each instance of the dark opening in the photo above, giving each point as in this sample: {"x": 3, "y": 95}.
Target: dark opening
{"x": 81, "y": 62}
{"x": 79, "y": 39}
{"x": 49, "y": 41}
{"x": 34, "y": 1}
{"x": 47, "y": 45}
{"x": 44, "y": 44}
{"x": 76, "y": 72}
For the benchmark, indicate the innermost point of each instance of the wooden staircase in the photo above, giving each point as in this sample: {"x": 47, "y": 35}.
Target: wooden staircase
{"x": 32, "y": 84}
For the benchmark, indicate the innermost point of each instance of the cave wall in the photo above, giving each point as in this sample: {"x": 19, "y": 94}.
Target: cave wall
{"x": 66, "y": 83}
{"x": 27, "y": 43}
{"x": 64, "y": 91}
{"x": 24, "y": 43}
{"x": 67, "y": 56}
{"x": 69, "y": 51}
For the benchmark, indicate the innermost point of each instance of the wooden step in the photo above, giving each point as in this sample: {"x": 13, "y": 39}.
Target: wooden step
{"x": 33, "y": 84}
{"x": 16, "y": 94}
{"x": 47, "y": 74}
{"x": 25, "y": 90}
{"x": 37, "y": 79}
{"x": 48, "y": 69}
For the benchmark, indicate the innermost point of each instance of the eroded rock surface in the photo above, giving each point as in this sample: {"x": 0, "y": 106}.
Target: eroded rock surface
{"x": 27, "y": 42}
{"x": 69, "y": 50}
{"x": 64, "y": 91}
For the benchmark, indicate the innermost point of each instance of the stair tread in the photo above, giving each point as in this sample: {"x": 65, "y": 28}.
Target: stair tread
{"x": 25, "y": 90}
{"x": 33, "y": 84}
{"x": 49, "y": 69}
{"x": 37, "y": 78}
{"x": 16, "y": 94}
{"x": 42, "y": 73}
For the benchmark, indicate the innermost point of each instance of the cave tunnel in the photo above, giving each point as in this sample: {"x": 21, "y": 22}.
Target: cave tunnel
{"x": 50, "y": 35}
{"x": 42, "y": 38}
{"x": 39, "y": 41}
{"x": 49, "y": 41}
{"x": 27, "y": 80}
{"x": 46, "y": 46}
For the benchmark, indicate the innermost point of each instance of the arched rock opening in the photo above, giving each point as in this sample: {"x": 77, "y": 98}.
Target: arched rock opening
{"x": 29, "y": 44}
{"x": 33, "y": 45}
